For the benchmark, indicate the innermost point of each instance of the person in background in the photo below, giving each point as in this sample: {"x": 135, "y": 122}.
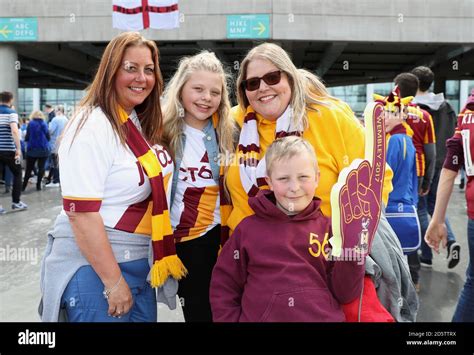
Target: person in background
{"x": 462, "y": 179}
{"x": 444, "y": 121}
{"x": 50, "y": 112}
{"x": 10, "y": 147}
{"x": 56, "y": 127}
{"x": 37, "y": 148}
{"x": 419, "y": 126}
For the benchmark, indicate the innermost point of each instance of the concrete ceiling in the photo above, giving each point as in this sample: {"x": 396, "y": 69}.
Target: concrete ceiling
{"x": 72, "y": 65}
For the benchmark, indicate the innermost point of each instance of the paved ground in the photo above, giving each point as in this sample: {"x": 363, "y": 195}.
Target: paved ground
{"x": 26, "y": 232}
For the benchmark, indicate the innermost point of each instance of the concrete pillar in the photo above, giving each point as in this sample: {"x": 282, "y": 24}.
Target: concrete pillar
{"x": 9, "y": 67}
{"x": 36, "y": 99}
{"x": 463, "y": 93}
{"x": 439, "y": 84}
{"x": 369, "y": 93}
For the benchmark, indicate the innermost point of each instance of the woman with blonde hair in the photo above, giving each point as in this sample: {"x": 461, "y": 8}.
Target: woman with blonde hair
{"x": 114, "y": 182}
{"x": 199, "y": 133}
{"x": 37, "y": 147}
{"x": 276, "y": 99}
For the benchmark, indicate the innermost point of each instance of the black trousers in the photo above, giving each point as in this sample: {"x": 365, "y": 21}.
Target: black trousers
{"x": 8, "y": 158}
{"x": 199, "y": 257}
{"x": 30, "y": 163}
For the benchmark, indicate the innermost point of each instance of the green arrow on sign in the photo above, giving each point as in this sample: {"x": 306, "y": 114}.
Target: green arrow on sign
{"x": 5, "y": 31}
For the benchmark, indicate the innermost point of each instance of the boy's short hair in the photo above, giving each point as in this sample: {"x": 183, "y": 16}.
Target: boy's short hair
{"x": 5, "y": 97}
{"x": 407, "y": 83}
{"x": 286, "y": 148}
{"x": 425, "y": 75}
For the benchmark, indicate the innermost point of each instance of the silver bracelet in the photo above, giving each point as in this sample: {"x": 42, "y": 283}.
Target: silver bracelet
{"x": 106, "y": 292}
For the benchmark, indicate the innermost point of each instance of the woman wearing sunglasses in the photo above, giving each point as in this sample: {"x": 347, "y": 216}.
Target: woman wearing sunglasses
{"x": 275, "y": 99}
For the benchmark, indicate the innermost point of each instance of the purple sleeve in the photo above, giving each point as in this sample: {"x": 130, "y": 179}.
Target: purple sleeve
{"x": 346, "y": 279}
{"x": 228, "y": 280}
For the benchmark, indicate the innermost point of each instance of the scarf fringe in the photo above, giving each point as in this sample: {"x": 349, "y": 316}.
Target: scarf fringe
{"x": 170, "y": 265}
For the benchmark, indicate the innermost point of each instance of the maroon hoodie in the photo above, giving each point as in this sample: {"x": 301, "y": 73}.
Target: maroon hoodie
{"x": 267, "y": 273}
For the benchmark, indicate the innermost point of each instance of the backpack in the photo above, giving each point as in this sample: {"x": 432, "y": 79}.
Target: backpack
{"x": 444, "y": 121}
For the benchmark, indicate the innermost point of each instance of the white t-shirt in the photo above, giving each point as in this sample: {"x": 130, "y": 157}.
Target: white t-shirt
{"x": 100, "y": 174}
{"x": 196, "y": 205}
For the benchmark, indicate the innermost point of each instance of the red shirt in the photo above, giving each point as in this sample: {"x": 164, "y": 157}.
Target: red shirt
{"x": 421, "y": 124}
{"x": 460, "y": 152}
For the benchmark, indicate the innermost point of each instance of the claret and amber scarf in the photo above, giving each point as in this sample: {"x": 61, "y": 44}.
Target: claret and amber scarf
{"x": 252, "y": 169}
{"x": 165, "y": 261}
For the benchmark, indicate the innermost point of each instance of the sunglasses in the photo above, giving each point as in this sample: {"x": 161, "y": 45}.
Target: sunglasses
{"x": 271, "y": 78}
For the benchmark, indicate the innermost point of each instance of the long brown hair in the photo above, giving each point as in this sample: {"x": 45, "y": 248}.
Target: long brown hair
{"x": 101, "y": 92}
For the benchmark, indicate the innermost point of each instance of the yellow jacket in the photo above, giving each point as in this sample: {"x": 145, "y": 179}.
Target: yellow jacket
{"x": 337, "y": 137}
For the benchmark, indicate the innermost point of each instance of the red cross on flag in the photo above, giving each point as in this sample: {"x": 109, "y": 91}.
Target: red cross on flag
{"x": 135, "y": 15}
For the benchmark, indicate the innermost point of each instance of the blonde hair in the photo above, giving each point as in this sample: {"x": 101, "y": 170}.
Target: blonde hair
{"x": 37, "y": 114}
{"x": 101, "y": 92}
{"x": 172, "y": 107}
{"x": 306, "y": 88}
{"x": 286, "y": 148}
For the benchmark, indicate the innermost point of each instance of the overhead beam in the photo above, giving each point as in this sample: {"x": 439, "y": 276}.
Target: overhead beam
{"x": 330, "y": 55}
{"x": 46, "y": 69}
{"x": 87, "y": 48}
{"x": 443, "y": 54}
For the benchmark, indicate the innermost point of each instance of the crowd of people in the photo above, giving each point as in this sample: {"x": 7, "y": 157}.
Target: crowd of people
{"x": 29, "y": 145}
{"x": 169, "y": 190}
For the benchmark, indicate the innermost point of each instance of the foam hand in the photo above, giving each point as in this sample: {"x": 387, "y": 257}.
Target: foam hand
{"x": 356, "y": 199}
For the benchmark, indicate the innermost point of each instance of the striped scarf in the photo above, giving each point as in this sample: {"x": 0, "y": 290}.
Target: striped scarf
{"x": 252, "y": 168}
{"x": 165, "y": 261}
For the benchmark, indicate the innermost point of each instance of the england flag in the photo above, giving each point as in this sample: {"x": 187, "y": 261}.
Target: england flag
{"x": 136, "y": 15}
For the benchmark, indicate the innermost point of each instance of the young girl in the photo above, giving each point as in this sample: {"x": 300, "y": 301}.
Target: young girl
{"x": 198, "y": 132}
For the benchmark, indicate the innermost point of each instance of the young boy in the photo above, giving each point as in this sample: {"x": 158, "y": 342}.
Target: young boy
{"x": 275, "y": 266}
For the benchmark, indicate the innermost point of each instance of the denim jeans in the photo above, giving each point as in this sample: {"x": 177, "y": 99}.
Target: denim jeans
{"x": 426, "y": 206}
{"x": 84, "y": 301}
{"x": 465, "y": 308}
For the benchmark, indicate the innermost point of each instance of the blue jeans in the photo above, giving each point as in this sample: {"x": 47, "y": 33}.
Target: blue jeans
{"x": 465, "y": 308}
{"x": 84, "y": 301}
{"x": 426, "y": 206}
